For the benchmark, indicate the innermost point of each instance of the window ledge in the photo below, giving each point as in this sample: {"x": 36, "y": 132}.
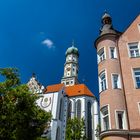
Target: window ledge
{"x": 114, "y": 58}
{"x": 118, "y": 88}
{"x": 134, "y": 57}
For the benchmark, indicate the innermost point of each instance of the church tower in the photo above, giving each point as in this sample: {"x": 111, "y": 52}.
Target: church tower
{"x": 71, "y": 67}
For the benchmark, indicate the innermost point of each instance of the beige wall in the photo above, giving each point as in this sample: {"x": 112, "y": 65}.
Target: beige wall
{"x": 112, "y": 97}
{"x": 132, "y": 34}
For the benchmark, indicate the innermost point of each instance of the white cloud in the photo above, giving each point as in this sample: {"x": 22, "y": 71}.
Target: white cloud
{"x": 48, "y": 43}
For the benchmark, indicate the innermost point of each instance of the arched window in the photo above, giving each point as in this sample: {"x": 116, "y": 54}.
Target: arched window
{"x": 89, "y": 121}
{"x": 69, "y": 109}
{"x": 58, "y": 134}
{"x": 78, "y": 109}
{"x": 61, "y": 110}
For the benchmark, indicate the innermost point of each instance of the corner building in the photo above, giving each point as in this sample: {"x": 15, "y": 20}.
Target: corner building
{"x": 118, "y": 57}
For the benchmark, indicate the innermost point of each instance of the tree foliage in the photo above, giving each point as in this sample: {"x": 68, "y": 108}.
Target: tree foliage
{"x": 20, "y": 117}
{"x": 75, "y": 129}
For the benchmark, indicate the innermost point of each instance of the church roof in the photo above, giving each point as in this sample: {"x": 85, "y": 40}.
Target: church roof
{"x": 54, "y": 88}
{"x": 75, "y": 90}
{"x": 78, "y": 90}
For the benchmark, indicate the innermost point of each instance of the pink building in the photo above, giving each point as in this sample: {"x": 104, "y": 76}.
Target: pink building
{"x": 119, "y": 80}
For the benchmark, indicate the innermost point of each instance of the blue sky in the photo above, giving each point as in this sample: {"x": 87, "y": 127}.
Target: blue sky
{"x": 34, "y": 35}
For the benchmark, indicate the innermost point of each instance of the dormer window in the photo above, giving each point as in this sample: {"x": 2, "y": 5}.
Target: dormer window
{"x": 101, "y": 55}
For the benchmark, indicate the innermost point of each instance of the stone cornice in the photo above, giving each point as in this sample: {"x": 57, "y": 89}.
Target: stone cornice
{"x": 117, "y": 132}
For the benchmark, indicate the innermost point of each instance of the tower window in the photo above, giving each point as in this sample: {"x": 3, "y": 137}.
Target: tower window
{"x": 120, "y": 120}
{"x": 116, "y": 81}
{"x": 102, "y": 81}
{"x": 67, "y": 83}
{"x": 134, "y": 50}
{"x": 105, "y": 117}
{"x": 113, "y": 53}
{"x": 101, "y": 55}
{"x": 137, "y": 77}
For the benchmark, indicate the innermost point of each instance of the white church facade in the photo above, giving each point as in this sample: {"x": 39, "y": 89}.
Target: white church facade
{"x": 67, "y": 99}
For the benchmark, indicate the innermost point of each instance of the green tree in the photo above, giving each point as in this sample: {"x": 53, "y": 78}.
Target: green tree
{"x": 20, "y": 117}
{"x": 75, "y": 129}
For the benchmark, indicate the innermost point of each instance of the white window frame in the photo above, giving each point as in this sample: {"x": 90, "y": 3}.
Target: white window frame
{"x": 139, "y": 107}
{"x": 102, "y": 123}
{"x": 124, "y": 119}
{"x": 139, "y": 27}
{"x": 100, "y": 87}
{"x": 135, "y": 83}
{"x": 98, "y": 55}
{"x": 118, "y": 83}
{"x": 131, "y": 44}
{"x": 115, "y": 52}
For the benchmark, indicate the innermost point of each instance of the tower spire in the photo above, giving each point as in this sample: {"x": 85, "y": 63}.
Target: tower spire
{"x": 73, "y": 43}
{"x": 71, "y": 66}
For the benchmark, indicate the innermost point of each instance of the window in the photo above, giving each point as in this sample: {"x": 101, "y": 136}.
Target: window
{"x": 105, "y": 117}
{"x": 120, "y": 120}
{"x": 69, "y": 109}
{"x": 113, "y": 53}
{"x": 67, "y": 83}
{"x": 78, "y": 109}
{"x": 139, "y": 106}
{"x": 61, "y": 110}
{"x": 58, "y": 134}
{"x": 89, "y": 120}
{"x": 116, "y": 81}
{"x": 134, "y": 50}
{"x": 102, "y": 81}
{"x": 101, "y": 55}
{"x": 137, "y": 77}
{"x": 139, "y": 27}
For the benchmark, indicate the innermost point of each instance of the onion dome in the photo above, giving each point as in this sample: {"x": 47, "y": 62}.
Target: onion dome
{"x": 72, "y": 50}
{"x": 107, "y": 25}
{"x": 106, "y": 16}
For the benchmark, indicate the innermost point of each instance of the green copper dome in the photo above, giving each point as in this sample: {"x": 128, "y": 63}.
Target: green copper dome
{"x": 72, "y": 50}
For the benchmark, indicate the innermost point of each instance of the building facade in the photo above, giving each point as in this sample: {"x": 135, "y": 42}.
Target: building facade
{"x": 68, "y": 99}
{"x": 118, "y": 57}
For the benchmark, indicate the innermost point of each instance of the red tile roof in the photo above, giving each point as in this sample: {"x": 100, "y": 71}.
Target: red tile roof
{"x": 78, "y": 90}
{"x": 54, "y": 88}
{"x": 75, "y": 90}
